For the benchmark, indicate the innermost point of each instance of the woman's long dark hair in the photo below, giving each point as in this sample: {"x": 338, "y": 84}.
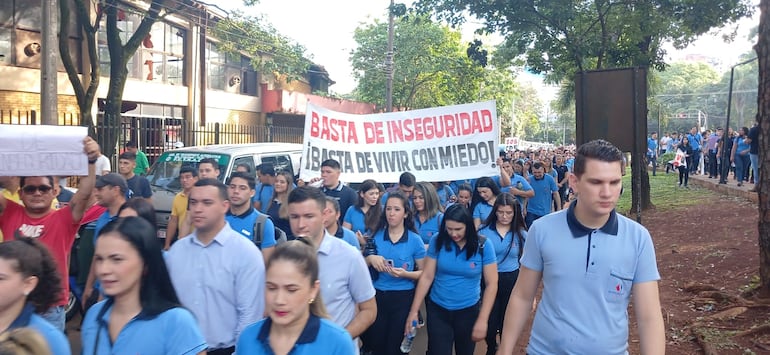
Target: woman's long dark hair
{"x": 517, "y": 224}
{"x": 460, "y": 214}
{"x": 29, "y": 257}
{"x": 156, "y": 292}
{"x": 409, "y": 215}
{"x": 372, "y": 216}
{"x": 487, "y": 182}
{"x": 143, "y": 209}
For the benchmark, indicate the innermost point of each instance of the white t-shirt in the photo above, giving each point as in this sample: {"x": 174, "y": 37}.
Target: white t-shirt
{"x": 102, "y": 165}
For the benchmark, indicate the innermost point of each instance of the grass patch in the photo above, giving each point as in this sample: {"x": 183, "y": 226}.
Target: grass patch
{"x": 665, "y": 193}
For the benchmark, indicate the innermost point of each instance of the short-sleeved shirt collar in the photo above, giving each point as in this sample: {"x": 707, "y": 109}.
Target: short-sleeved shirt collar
{"x": 308, "y": 335}
{"x": 579, "y": 230}
{"x": 24, "y": 318}
{"x": 222, "y": 237}
{"x": 326, "y": 244}
{"x": 242, "y": 215}
{"x": 404, "y": 237}
{"x": 339, "y": 187}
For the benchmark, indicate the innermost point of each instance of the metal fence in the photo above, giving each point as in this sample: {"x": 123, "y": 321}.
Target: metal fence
{"x": 154, "y": 135}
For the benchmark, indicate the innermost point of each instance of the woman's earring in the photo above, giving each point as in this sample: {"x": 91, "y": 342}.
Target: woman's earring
{"x": 311, "y": 301}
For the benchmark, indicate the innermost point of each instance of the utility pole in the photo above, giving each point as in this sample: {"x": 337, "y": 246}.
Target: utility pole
{"x": 48, "y": 72}
{"x": 389, "y": 62}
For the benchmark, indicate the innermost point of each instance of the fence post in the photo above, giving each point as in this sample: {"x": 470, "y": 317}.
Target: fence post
{"x": 216, "y": 133}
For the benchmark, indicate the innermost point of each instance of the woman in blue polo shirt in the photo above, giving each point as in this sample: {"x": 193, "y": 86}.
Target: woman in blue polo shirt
{"x": 456, "y": 260}
{"x": 141, "y": 314}
{"x": 428, "y": 209}
{"x": 399, "y": 262}
{"x": 364, "y": 216}
{"x": 483, "y": 199}
{"x": 506, "y": 229}
{"x": 31, "y": 285}
{"x": 297, "y": 322}
{"x": 740, "y": 154}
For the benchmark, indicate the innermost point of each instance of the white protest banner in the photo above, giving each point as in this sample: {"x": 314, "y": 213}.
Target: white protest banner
{"x": 436, "y": 144}
{"x": 32, "y": 150}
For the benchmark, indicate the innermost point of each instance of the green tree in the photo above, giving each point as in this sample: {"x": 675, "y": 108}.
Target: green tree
{"x": 431, "y": 67}
{"x": 681, "y": 91}
{"x": 270, "y": 51}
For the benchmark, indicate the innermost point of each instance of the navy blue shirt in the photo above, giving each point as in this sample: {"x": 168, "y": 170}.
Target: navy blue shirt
{"x": 139, "y": 186}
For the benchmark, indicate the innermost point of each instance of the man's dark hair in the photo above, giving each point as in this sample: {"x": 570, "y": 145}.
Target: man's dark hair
{"x": 211, "y": 161}
{"x": 305, "y": 193}
{"x": 127, "y": 156}
{"x": 131, "y": 144}
{"x": 244, "y": 165}
{"x": 598, "y": 149}
{"x": 653, "y": 133}
{"x": 24, "y": 178}
{"x": 407, "y": 179}
{"x": 216, "y": 183}
{"x": 266, "y": 169}
{"x": 241, "y": 175}
{"x": 537, "y": 165}
{"x": 331, "y": 163}
{"x": 188, "y": 169}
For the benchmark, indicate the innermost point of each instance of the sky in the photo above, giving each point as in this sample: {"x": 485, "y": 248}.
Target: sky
{"x": 326, "y": 28}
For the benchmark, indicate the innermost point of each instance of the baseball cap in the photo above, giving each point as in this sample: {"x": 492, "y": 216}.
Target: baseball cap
{"x": 112, "y": 179}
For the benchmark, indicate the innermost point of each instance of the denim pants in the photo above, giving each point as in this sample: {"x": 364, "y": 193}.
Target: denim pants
{"x": 56, "y": 316}
{"x": 505, "y": 283}
{"x": 741, "y": 163}
{"x": 446, "y": 327}
{"x": 754, "y": 158}
{"x": 384, "y": 336}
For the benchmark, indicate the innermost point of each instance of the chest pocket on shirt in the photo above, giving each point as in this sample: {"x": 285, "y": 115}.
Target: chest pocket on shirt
{"x": 403, "y": 262}
{"x": 618, "y": 286}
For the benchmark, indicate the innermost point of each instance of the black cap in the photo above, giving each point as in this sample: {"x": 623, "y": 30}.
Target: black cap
{"x": 112, "y": 179}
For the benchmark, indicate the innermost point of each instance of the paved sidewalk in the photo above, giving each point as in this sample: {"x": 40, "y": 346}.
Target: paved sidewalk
{"x": 729, "y": 189}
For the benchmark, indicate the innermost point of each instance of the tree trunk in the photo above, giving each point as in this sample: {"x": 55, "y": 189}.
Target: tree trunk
{"x": 763, "y": 115}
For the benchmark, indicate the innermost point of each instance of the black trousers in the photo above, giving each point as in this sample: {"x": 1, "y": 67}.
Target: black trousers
{"x": 384, "y": 336}
{"x": 505, "y": 283}
{"x": 446, "y": 327}
{"x": 713, "y": 163}
{"x": 225, "y": 351}
{"x": 684, "y": 175}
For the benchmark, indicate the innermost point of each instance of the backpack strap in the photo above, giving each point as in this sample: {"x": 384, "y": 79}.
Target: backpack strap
{"x": 258, "y": 227}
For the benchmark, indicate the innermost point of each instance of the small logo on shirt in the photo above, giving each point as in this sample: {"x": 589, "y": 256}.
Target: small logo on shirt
{"x": 618, "y": 288}
{"x": 405, "y": 266}
{"x": 31, "y": 231}
{"x": 473, "y": 265}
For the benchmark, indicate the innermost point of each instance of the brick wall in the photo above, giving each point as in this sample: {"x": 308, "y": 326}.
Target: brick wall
{"x": 15, "y": 106}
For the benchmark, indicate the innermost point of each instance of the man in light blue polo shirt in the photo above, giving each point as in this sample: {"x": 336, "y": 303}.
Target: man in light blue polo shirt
{"x": 218, "y": 274}
{"x": 242, "y": 216}
{"x": 346, "y": 287}
{"x": 264, "y": 193}
{"x": 591, "y": 261}
{"x": 546, "y": 191}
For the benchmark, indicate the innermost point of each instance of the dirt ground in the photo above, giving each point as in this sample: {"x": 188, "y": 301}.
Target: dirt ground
{"x": 708, "y": 258}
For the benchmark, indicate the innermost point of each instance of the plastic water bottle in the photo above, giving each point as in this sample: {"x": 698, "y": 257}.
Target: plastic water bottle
{"x": 406, "y": 344}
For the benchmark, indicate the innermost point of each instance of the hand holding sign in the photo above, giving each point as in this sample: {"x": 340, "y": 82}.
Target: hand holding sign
{"x": 91, "y": 148}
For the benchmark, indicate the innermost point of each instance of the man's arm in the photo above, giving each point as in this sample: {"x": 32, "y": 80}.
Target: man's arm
{"x": 79, "y": 201}
{"x": 367, "y": 312}
{"x": 173, "y": 223}
{"x": 519, "y": 307}
{"x": 652, "y": 336}
{"x": 249, "y": 289}
{"x": 557, "y": 199}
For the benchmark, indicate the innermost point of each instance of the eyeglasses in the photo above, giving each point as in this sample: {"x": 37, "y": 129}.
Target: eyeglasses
{"x": 30, "y": 189}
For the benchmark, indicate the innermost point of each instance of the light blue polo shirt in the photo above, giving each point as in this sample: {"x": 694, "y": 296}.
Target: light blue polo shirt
{"x": 54, "y": 337}
{"x": 320, "y": 336}
{"x": 482, "y": 211}
{"x": 430, "y": 228}
{"x": 540, "y": 204}
{"x": 506, "y": 248}
{"x": 348, "y": 236}
{"x": 357, "y": 219}
{"x": 404, "y": 253}
{"x": 265, "y": 194}
{"x": 457, "y": 283}
{"x": 444, "y": 193}
{"x": 172, "y": 332}
{"x": 244, "y": 225}
{"x": 588, "y": 275}
{"x": 520, "y": 183}
{"x": 344, "y": 277}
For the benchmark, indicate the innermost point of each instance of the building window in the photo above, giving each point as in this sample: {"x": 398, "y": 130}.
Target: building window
{"x": 229, "y": 72}
{"x": 20, "y": 36}
{"x": 160, "y": 57}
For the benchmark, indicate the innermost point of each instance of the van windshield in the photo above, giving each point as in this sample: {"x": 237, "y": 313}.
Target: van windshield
{"x": 164, "y": 173}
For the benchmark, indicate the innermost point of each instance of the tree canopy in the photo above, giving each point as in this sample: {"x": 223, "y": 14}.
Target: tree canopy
{"x": 561, "y": 37}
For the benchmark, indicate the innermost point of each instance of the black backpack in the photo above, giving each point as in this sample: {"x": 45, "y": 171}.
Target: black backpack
{"x": 280, "y": 235}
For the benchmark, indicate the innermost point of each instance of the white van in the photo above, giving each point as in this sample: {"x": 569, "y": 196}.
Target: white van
{"x": 164, "y": 174}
